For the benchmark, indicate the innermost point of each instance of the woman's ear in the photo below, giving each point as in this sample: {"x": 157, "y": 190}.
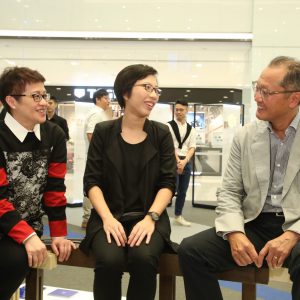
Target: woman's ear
{"x": 11, "y": 101}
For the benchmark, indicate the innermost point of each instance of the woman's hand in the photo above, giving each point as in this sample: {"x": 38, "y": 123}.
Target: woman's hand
{"x": 142, "y": 229}
{"x": 113, "y": 227}
{"x": 62, "y": 247}
{"x": 36, "y": 251}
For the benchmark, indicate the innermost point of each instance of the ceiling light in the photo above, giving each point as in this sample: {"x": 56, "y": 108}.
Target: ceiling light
{"x": 127, "y": 35}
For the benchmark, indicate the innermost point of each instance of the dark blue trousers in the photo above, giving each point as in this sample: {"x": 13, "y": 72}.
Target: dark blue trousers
{"x": 183, "y": 181}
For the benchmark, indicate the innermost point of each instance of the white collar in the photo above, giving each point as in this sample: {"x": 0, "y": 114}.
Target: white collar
{"x": 18, "y": 130}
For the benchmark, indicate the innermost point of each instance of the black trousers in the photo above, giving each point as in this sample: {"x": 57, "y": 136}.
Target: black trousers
{"x": 142, "y": 263}
{"x": 204, "y": 254}
{"x": 13, "y": 266}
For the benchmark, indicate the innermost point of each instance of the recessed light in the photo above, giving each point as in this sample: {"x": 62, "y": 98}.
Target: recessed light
{"x": 188, "y": 91}
{"x": 58, "y": 88}
{"x": 225, "y": 97}
{"x": 231, "y": 91}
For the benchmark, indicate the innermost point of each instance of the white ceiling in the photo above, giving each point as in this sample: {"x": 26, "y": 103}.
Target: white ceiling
{"x": 128, "y": 15}
{"x": 96, "y": 62}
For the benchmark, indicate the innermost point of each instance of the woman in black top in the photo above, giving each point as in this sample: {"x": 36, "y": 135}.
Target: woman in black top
{"x": 130, "y": 179}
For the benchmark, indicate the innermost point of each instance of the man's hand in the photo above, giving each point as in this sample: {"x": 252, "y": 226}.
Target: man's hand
{"x": 36, "y": 251}
{"x": 180, "y": 165}
{"x": 142, "y": 229}
{"x": 242, "y": 250}
{"x": 113, "y": 227}
{"x": 277, "y": 250}
{"x": 62, "y": 248}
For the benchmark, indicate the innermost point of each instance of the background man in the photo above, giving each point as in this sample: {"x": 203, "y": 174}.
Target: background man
{"x": 184, "y": 139}
{"x": 96, "y": 115}
{"x": 2, "y": 111}
{"x": 258, "y": 213}
{"x": 53, "y": 117}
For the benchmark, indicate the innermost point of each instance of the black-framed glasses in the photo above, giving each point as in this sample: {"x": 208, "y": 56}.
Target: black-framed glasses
{"x": 35, "y": 96}
{"x": 149, "y": 88}
{"x": 265, "y": 93}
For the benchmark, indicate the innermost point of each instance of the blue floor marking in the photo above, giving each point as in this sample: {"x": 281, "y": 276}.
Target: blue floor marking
{"x": 71, "y": 235}
{"x": 263, "y": 291}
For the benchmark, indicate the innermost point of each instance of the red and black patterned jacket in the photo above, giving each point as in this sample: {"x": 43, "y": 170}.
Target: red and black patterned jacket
{"x": 32, "y": 176}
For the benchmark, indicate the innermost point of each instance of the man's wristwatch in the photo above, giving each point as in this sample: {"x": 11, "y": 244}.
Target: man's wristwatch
{"x": 154, "y": 216}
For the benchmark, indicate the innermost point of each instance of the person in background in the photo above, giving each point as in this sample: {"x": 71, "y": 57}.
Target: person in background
{"x": 2, "y": 111}
{"x": 130, "y": 178}
{"x": 184, "y": 138}
{"x": 258, "y": 212}
{"x": 96, "y": 115}
{"x": 53, "y": 117}
{"x": 32, "y": 171}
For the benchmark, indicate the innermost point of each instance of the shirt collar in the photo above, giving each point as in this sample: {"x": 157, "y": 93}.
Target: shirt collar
{"x": 293, "y": 124}
{"x": 18, "y": 130}
{"x": 179, "y": 123}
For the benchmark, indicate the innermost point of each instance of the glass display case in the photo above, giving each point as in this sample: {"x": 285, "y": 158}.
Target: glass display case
{"x": 215, "y": 127}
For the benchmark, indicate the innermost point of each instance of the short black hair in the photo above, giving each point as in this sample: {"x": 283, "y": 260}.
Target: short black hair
{"x": 182, "y": 102}
{"x": 53, "y": 98}
{"x": 13, "y": 81}
{"x": 126, "y": 79}
{"x": 99, "y": 94}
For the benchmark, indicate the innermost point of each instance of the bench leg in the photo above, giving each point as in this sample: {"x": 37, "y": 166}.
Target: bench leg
{"x": 34, "y": 285}
{"x": 248, "y": 291}
{"x": 167, "y": 287}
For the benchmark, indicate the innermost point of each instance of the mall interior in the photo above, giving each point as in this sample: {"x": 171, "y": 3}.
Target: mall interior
{"x": 207, "y": 52}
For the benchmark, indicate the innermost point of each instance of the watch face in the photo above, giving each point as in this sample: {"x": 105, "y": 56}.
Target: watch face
{"x": 154, "y": 216}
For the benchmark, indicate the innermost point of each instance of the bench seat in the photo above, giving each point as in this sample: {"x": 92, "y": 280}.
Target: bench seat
{"x": 168, "y": 270}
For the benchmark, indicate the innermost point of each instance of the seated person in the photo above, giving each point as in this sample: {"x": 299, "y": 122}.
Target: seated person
{"x": 130, "y": 179}
{"x": 32, "y": 171}
{"x": 258, "y": 212}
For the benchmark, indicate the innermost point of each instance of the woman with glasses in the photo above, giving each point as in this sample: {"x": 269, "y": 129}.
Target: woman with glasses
{"x": 130, "y": 179}
{"x": 32, "y": 171}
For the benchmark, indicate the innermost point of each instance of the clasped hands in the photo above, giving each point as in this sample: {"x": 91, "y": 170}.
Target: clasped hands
{"x": 181, "y": 163}
{"x": 37, "y": 250}
{"x": 142, "y": 229}
{"x": 274, "y": 252}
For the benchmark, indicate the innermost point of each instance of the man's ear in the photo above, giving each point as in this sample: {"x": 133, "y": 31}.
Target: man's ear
{"x": 11, "y": 101}
{"x": 295, "y": 100}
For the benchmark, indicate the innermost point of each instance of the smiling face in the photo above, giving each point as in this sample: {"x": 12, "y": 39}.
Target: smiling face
{"x": 141, "y": 102}
{"x": 27, "y": 111}
{"x": 277, "y": 107}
